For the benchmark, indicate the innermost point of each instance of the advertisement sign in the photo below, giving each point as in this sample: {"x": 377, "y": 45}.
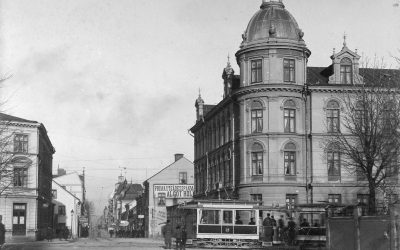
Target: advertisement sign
{"x": 174, "y": 190}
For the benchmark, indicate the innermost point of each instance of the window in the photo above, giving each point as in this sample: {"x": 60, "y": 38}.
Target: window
{"x": 290, "y": 159}
{"x": 227, "y": 216}
{"x": 161, "y": 199}
{"x": 256, "y": 71}
{"x": 210, "y": 217}
{"x": 332, "y": 115}
{"x": 256, "y": 197}
{"x": 333, "y": 160}
{"x": 288, "y": 70}
{"x": 289, "y": 116}
{"x": 21, "y": 143}
{"x": 256, "y": 117}
{"x": 182, "y": 177}
{"x": 257, "y": 159}
{"x": 54, "y": 193}
{"x": 291, "y": 201}
{"x": 61, "y": 210}
{"x": 20, "y": 176}
{"x": 346, "y": 71}
{"x": 363, "y": 201}
{"x": 335, "y": 198}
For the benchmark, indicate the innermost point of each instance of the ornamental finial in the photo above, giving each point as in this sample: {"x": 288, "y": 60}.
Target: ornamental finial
{"x": 344, "y": 39}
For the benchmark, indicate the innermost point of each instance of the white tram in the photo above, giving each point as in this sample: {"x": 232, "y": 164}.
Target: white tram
{"x": 238, "y": 224}
{"x": 219, "y": 223}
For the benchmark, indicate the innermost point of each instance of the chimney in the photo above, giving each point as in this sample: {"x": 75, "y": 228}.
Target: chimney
{"x": 178, "y": 156}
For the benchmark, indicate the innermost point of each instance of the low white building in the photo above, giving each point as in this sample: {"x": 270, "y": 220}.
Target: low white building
{"x": 172, "y": 185}
{"x": 67, "y": 209}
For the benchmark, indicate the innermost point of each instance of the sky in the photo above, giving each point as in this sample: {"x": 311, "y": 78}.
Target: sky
{"x": 115, "y": 81}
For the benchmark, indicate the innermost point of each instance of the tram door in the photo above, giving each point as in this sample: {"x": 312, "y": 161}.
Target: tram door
{"x": 19, "y": 219}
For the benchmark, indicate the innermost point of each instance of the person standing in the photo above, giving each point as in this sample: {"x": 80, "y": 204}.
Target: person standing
{"x": 2, "y": 232}
{"x": 267, "y": 226}
{"x": 167, "y": 233}
{"x": 183, "y": 236}
{"x": 291, "y": 231}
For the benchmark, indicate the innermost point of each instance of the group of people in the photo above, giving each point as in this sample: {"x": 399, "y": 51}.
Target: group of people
{"x": 180, "y": 235}
{"x": 274, "y": 231}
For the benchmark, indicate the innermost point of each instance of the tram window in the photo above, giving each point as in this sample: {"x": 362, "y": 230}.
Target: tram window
{"x": 227, "y": 217}
{"x": 314, "y": 219}
{"x": 210, "y": 217}
{"x": 244, "y": 217}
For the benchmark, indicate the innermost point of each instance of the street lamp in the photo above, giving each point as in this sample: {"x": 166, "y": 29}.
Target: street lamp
{"x": 72, "y": 216}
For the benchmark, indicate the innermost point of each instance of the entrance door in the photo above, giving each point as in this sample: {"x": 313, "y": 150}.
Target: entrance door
{"x": 19, "y": 219}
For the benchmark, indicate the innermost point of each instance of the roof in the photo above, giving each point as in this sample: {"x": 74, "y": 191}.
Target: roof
{"x": 208, "y": 108}
{"x": 61, "y": 186}
{"x": 319, "y": 76}
{"x": 183, "y": 157}
{"x": 272, "y": 20}
{"x": 133, "y": 191}
{"x": 10, "y": 118}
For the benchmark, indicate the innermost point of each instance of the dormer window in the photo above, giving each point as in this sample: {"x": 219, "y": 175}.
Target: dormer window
{"x": 256, "y": 71}
{"x": 346, "y": 71}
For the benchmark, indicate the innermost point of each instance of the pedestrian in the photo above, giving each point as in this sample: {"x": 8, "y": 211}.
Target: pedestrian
{"x": 49, "y": 234}
{"x": 267, "y": 226}
{"x": 111, "y": 232}
{"x": 2, "y": 232}
{"x": 281, "y": 226}
{"x": 66, "y": 233}
{"x": 291, "y": 231}
{"x": 183, "y": 236}
{"x": 178, "y": 237}
{"x": 167, "y": 233}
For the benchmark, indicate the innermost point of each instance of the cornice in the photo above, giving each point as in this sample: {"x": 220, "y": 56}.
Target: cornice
{"x": 267, "y": 88}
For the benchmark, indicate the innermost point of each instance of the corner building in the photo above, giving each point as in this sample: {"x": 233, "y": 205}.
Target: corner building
{"x": 264, "y": 140}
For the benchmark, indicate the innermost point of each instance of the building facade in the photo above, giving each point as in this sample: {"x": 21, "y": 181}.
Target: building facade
{"x": 67, "y": 210}
{"x": 121, "y": 211}
{"x": 26, "y": 178}
{"x": 74, "y": 184}
{"x": 265, "y": 140}
{"x": 170, "y": 186}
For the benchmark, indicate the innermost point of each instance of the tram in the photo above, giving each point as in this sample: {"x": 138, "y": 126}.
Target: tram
{"x": 218, "y": 223}
{"x": 235, "y": 223}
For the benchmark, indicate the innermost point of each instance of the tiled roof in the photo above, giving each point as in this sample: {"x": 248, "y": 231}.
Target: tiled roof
{"x": 320, "y": 75}
{"x": 10, "y": 118}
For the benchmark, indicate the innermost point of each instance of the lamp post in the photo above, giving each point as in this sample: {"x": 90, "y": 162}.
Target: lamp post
{"x": 72, "y": 216}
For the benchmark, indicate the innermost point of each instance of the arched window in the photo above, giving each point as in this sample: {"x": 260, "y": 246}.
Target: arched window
{"x": 256, "y": 117}
{"x": 289, "y": 156}
{"x": 289, "y": 116}
{"x": 333, "y": 162}
{"x": 333, "y": 116}
{"x": 257, "y": 159}
{"x": 346, "y": 71}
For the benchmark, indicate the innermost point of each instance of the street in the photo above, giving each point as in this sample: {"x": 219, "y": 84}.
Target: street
{"x": 87, "y": 243}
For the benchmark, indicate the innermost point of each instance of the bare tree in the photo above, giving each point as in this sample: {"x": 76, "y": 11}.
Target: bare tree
{"x": 368, "y": 138}
{"x": 10, "y": 176}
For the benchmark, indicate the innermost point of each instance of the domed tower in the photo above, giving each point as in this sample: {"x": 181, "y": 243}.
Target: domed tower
{"x": 272, "y": 132}
{"x": 273, "y": 50}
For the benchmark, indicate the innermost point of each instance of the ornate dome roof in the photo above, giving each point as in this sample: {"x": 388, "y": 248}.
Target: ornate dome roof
{"x": 272, "y": 21}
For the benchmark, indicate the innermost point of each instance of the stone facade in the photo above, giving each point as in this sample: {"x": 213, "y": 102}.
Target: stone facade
{"x": 26, "y": 188}
{"x": 265, "y": 139}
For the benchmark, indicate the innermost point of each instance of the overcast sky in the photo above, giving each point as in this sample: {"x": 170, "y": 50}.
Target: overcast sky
{"x": 115, "y": 81}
